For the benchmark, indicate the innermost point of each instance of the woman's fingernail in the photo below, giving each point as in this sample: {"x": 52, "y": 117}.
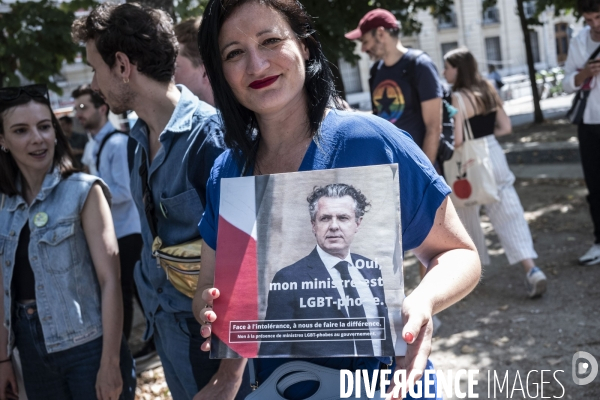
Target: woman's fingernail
{"x": 408, "y": 337}
{"x": 213, "y": 292}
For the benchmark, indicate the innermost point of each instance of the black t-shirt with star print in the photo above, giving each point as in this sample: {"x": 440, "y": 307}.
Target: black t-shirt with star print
{"x": 393, "y": 95}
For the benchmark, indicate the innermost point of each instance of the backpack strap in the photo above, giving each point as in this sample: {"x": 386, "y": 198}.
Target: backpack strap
{"x": 102, "y": 146}
{"x": 586, "y": 83}
{"x": 410, "y": 72}
{"x": 372, "y": 73}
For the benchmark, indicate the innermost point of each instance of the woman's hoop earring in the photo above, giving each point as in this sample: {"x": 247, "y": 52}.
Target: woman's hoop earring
{"x": 4, "y": 149}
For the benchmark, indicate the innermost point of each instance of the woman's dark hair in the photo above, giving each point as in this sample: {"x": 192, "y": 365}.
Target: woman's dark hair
{"x": 468, "y": 78}
{"x": 240, "y": 122}
{"x": 63, "y": 157}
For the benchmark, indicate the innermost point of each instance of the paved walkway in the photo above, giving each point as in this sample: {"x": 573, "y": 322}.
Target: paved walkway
{"x": 520, "y": 110}
{"x": 539, "y": 160}
{"x": 547, "y": 171}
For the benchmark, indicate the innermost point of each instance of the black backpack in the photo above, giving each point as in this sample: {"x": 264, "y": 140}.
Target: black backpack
{"x": 446, "y": 147}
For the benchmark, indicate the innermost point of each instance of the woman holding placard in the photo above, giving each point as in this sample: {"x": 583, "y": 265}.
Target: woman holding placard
{"x": 275, "y": 91}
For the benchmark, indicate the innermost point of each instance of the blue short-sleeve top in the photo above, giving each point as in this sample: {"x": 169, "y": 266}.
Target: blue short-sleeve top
{"x": 351, "y": 139}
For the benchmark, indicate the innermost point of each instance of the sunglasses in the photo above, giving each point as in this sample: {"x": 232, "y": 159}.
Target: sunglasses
{"x": 13, "y": 93}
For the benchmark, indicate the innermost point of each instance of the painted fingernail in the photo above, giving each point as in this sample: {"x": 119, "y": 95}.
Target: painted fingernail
{"x": 408, "y": 337}
{"x": 213, "y": 292}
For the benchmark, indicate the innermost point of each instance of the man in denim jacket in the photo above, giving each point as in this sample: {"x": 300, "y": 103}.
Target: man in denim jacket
{"x": 133, "y": 66}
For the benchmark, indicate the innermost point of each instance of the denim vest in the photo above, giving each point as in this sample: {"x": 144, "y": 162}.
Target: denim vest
{"x": 66, "y": 287}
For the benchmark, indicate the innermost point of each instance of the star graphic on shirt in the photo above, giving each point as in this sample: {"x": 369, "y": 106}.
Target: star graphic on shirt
{"x": 385, "y": 102}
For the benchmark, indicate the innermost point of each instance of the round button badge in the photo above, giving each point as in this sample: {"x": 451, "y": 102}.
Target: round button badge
{"x": 40, "y": 219}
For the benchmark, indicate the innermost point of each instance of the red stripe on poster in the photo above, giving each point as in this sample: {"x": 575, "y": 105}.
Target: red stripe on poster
{"x": 236, "y": 278}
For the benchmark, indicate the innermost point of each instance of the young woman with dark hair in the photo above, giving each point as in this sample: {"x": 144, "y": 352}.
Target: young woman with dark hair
{"x": 487, "y": 118}
{"x": 242, "y": 122}
{"x": 61, "y": 302}
{"x": 274, "y": 89}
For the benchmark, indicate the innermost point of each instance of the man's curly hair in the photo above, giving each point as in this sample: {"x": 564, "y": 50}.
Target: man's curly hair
{"x": 144, "y": 34}
{"x": 588, "y": 6}
{"x": 337, "y": 190}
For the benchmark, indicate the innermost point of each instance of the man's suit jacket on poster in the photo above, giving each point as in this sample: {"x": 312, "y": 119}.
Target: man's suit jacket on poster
{"x": 285, "y": 305}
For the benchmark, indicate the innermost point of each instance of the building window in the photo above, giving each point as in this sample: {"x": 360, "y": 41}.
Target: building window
{"x": 493, "y": 52}
{"x": 529, "y": 8}
{"x": 561, "y": 33}
{"x": 446, "y": 47}
{"x": 447, "y": 21}
{"x": 491, "y": 15}
{"x": 350, "y": 76}
{"x": 535, "y": 46}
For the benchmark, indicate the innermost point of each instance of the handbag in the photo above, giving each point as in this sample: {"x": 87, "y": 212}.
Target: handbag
{"x": 181, "y": 262}
{"x": 469, "y": 172}
{"x": 294, "y": 372}
{"x": 575, "y": 113}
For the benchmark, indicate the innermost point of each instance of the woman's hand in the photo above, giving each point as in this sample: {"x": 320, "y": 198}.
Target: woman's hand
{"x": 227, "y": 380}
{"x": 109, "y": 382}
{"x": 417, "y": 333}
{"x": 208, "y": 316}
{"x": 8, "y": 382}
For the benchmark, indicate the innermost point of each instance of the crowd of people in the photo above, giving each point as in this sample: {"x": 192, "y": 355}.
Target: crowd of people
{"x": 245, "y": 90}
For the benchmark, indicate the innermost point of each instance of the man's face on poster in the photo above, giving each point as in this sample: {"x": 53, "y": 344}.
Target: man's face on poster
{"x": 335, "y": 225}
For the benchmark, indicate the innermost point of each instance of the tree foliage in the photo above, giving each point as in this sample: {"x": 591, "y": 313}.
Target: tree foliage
{"x": 35, "y": 36}
{"x": 526, "y": 23}
{"x": 333, "y": 18}
{"x": 35, "y": 39}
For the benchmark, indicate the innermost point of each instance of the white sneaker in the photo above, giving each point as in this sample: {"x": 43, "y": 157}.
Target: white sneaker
{"x": 535, "y": 282}
{"x": 592, "y": 256}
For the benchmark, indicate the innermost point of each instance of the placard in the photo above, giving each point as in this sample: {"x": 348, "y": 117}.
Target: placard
{"x": 309, "y": 264}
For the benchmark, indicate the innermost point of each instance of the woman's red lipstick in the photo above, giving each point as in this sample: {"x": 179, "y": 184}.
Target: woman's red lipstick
{"x": 263, "y": 83}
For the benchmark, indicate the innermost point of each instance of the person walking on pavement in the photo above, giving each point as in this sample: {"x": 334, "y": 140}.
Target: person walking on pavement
{"x": 476, "y": 98}
{"x": 109, "y": 161}
{"x": 404, "y": 83}
{"x": 581, "y": 73}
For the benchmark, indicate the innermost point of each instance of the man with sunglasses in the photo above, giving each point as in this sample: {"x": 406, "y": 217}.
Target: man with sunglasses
{"x": 132, "y": 50}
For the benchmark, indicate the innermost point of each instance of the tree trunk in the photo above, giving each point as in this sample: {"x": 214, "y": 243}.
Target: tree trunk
{"x": 537, "y": 110}
{"x": 165, "y": 5}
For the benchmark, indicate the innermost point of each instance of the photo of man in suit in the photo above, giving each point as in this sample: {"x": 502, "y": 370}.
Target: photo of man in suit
{"x": 331, "y": 283}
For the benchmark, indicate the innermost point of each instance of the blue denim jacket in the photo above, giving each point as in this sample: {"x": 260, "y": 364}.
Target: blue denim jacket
{"x": 67, "y": 290}
{"x": 177, "y": 205}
